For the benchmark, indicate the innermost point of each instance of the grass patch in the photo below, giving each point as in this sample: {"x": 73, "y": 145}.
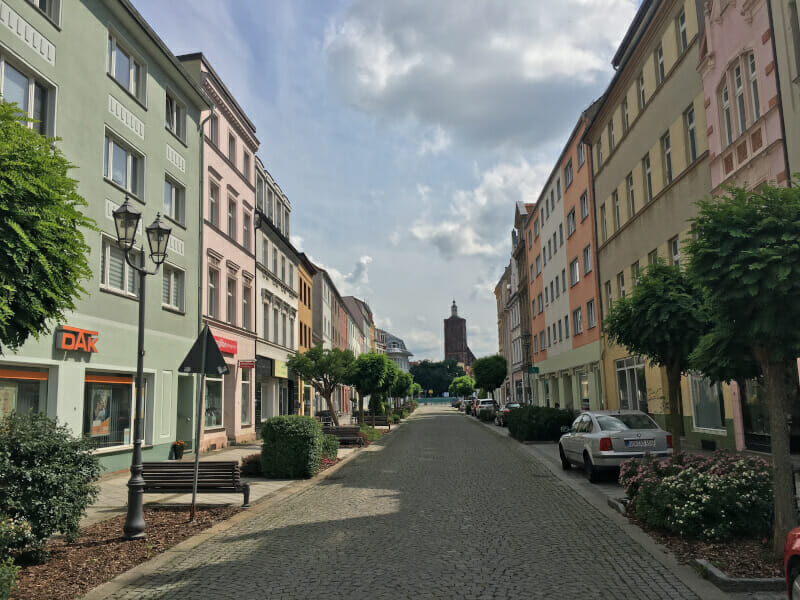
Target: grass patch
{"x": 371, "y": 433}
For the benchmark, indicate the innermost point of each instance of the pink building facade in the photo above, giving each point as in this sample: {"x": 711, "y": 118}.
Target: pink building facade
{"x": 228, "y": 261}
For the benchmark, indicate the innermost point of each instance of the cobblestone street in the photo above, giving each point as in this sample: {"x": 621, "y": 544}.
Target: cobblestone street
{"x": 443, "y": 508}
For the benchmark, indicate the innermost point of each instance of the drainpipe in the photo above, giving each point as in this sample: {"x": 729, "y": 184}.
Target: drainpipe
{"x": 200, "y": 220}
{"x": 780, "y": 100}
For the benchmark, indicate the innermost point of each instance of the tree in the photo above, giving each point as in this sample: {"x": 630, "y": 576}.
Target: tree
{"x": 402, "y": 386}
{"x": 325, "y": 369}
{"x": 366, "y": 374}
{"x": 489, "y": 372}
{"x": 436, "y": 376}
{"x": 416, "y": 389}
{"x": 43, "y": 257}
{"x": 462, "y": 386}
{"x": 662, "y": 320}
{"x": 385, "y": 389}
{"x": 746, "y": 256}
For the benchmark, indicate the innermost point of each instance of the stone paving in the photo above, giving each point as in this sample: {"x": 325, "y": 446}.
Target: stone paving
{"x": 441, "y": 509}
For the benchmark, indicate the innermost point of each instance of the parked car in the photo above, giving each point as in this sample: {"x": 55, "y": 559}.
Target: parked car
{"x": 501, "y": 418}
{"x": 600, "y": 440}
{"x": 791, "y": 563}
{"x": 471, "y": 404}
{"x": 484, "y": 406}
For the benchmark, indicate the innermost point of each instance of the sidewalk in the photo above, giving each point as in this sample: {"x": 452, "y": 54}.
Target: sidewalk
{"x": 113, "y": 498}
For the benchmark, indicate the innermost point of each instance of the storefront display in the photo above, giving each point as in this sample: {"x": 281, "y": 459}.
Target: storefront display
{"x": 213, "y": 403}
{"x": 22, "y": 390}
{"x": 108, "y": 409}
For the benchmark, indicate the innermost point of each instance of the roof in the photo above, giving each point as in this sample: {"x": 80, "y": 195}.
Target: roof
{"x": 390, "y": 339}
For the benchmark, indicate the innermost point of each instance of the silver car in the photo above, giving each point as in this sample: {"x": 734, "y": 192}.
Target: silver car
{"x": 600, "y": 440}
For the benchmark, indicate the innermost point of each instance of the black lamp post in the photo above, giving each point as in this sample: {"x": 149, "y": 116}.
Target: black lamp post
{"x": 126, "y": 221}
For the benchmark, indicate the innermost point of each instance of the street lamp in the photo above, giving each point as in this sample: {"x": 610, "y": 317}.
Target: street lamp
{"x": 126, "y": 221}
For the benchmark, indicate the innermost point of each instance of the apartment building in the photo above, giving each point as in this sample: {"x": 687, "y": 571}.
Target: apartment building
{"x": 502, "y": 293}
{"x": 305, "y": 322}
{"x": 331, "y": 326}
{"x": 784, "y": 38}
{"x": 97, "y": 76}
{"x": 521, "y": 333}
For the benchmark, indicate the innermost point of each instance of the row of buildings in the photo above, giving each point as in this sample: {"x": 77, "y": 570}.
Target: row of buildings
{"x": 164, "y": 131}
{"x": 705, "y": 93}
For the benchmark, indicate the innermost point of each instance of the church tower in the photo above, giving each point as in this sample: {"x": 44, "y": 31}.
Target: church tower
{"x": 455, "y": 338}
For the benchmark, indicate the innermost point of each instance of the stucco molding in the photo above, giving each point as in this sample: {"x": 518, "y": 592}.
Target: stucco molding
{"x": 125, "y": 116}
{"x": 26, "y": 32}
{"x": 175, "y": 157}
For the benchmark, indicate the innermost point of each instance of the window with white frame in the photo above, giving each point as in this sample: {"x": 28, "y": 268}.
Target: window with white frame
{"x": 536, "y": 229}
{"x": 546, "y": 295}
{"x": 566, "y": 325}
{"x": 587, "y": 259}
{"x": 283, "y": 268}
{"x": 652, "y": 257}
{"x": 648, "y": 178}
{"x": 574, "y": 272}
{"x": 538, "y": 264}
{"x": 603, "y": 226}
{"x": 584, "y": 205}
{"x": 213, "y": 292}
{"x": 32, "y": 96}
{"x": 283, "y": 330}
{"x": 275, "y": 260}
{"x": 631, "y": 383}
{"x": 558, "y": 189}
{"x": 625, "y": 116}
{"x": 611, "y": 140}
{"x": 675, "y": 251}
{"x": 666, "y": 150}
{"x": 740, "y": 104}
{"x": 275, "y": 325}
{"x": 591, "y": 319}
{"x": 751, "y": 67}
{"x": 707, "y": 402}
{"x": 659, "y": 58}
{"x": 581, "y": 155}
{"x": 608, "y": 293}
{"x": 127, "y": 70}
{"x": 246, "y": 399}
{"x": 213, "y": 130}
{"x": 635, "y": 271}
{"x": 539, "y": 303}
{"x": 291, "y": 333}
{"x": 291, "y": 276}
{"x": 246, "y": 166}
{"x": 172, "y": 288}
{"x": 246, "y": 298}
{"x": 683, "y": 39}
{"x": 563, "y": 280}
{"x": 599, "y": 152}
{"x": 691, "y": 133}
{"x": 568, "y": 174}
{"x": 615, "y": 206}
{"x": 641, "y": 91}
{"x": 621, "y": 284}
{"x": 577, "y": 324}
{"x": 123, "y": 166}
{"x": 115, "y": 273}
{"x": 232, "y": 148}
{"x": 726, "y": 114}
{"x": 265, "y": 321}
{"x": 174, "y": 200}
{"x": 230, "y": 296}
{"x": 530, "y": 238}
{"x": 50, "y": 8}
{"x": 213, "y": 203}
{"x": 213, "y": 410}
{"x": 175, "y": 116}
{"x": 631, "y": 195}
{"x": 571, "y": 226}
{"x": 232, "y": 218}
{"x": 246, "y": 231}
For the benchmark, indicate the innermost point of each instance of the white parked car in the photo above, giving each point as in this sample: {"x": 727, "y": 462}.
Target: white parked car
{"x": 600, "y": 440}
{"x": 489, "y": 406}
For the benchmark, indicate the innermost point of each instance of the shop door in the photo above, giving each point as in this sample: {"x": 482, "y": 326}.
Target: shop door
{"x": 185, "y": 411}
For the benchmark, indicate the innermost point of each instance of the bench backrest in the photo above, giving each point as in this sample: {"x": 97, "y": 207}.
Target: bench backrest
{"x": 181, "y": 474}
{"x": 342, "y": 430}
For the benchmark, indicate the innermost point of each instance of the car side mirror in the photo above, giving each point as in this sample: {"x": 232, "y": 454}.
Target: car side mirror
{"x": 565, "y": 429}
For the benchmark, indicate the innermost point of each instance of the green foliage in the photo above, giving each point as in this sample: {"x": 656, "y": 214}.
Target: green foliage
{"x": 462, "y": 386}
{"x": 15, "y": 534}
{"x": 436, "y": 376}
{"x": 368, "y": 372}
{"x": 330, "y": 446}
{"x": 46, "y": 475}
{"x": 371, "y": 433}
{"x": 489, "y": 372}
{"x": 538, "y": 423}
{"x": 416, "y": 389}
{"x": 325, "y": 369}
{"x": 403, "y": 384}
{"x": 713, "y": 498}
{"x": 8, "y": 577}
{"x": 251, "y": 466}
{"x": 43, "y": 256}
{"x": 292, "y": 447}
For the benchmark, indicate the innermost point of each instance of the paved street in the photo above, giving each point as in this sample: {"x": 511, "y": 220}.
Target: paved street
{"x": 443, "y": 508}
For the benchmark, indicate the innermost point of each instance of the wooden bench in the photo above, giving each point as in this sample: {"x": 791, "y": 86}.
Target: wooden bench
{"x": 345, "y": 433}
{"x": 380, "y": 421}
{"x": 213, "y": 477}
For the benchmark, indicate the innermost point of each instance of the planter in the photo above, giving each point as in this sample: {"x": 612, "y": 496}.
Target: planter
{"x": 177, "y": 452}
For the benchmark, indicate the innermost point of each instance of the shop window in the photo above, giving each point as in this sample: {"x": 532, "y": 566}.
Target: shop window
{"x": 631, "y": 383}
{"x": 22, "y": 390}
{"x": 108, "y": 410}
{"x": 708, "y": 408}
{"x": 245, "y": 396}
{"x": 213, "y": 403}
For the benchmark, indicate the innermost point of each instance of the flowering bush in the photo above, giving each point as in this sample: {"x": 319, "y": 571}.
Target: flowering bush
{"x": 716, "y": 498}
{"x": 179, "y": 443}
{"x": 15, "y": 534}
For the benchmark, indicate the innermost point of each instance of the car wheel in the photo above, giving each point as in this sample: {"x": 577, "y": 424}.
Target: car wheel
{"x": 794, "y": 584}
{"x": 592, "y": 473}
{"x": 565, "y": 464}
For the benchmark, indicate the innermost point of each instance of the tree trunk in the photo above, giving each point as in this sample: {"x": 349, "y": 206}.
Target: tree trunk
{"x": 334, "y": 417}
{"x": 782, "y": 478}
{"x": 675, "y": 425}
{"x": 360, "y": 408}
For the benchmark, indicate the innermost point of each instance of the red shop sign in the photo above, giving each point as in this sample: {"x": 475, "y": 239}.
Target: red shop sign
{"x": 225, "y": 345}
{"x": 247, "y": 364}
{"x": 72, "y": 338}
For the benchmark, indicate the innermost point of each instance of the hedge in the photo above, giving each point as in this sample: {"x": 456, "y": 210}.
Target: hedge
{"x": 292, "y": 447}
{"x": 538, "y": 423}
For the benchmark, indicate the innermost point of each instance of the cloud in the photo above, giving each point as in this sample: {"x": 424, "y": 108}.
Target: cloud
{"x": 477, "y": 221}
{"x": 436, "y": 144}
{"x": 495, "y": 74}
{"x": 424, "y": 343}
{"x": 384, "y": 323}
{"x": 354, "y": 283}
{"x": 297, "y": 242}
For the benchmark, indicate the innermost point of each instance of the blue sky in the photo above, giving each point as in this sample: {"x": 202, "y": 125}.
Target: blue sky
{"x": 404, "y": 132}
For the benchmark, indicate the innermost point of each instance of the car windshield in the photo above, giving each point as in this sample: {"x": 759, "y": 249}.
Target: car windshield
{"x": 625, "y": 421}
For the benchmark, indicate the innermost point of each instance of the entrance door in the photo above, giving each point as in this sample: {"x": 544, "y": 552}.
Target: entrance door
{"x": 185, "y": 411}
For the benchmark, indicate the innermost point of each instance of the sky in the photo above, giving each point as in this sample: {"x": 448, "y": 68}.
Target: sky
{"x": 404, "y": 132}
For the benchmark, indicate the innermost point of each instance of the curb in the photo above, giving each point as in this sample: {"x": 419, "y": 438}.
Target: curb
{"x": 617, "y": 506}
{"x": 737, "y": 584}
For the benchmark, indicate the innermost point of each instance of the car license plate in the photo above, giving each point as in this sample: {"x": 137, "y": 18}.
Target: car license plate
{"x": 640, "y": 443}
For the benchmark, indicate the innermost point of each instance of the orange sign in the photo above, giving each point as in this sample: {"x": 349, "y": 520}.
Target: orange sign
{"x": 72, "y": 338}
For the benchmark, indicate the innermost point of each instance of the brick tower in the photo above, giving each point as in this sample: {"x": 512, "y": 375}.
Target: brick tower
{"x": 455, "y": 338}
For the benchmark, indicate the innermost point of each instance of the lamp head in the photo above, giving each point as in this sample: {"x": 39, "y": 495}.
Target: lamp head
{"x": 158, "y": 239}
{"x": 126, "y": 221}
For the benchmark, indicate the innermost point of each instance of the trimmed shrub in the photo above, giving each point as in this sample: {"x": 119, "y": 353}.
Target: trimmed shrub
{"x": 395, "y": 417}
{"x": 292, "y": 447}
{"x": 717, "y": 498}
{"x": 251, "y": 466}
{"x": 330, "y": 446}
{"x": 47, "y": 476}
{"x": 538, "y": 423}
{"x": 8, "y": 577}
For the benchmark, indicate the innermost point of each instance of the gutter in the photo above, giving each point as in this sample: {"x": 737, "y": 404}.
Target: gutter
{"x": 201, "y": 127}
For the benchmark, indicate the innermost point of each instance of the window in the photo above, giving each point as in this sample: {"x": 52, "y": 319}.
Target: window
{"x": 566, "y": 325}
{"x": 621, "y": 285}
{"x": 291, "y": 333}
{"x": 581, "y": 155}
{"x": 275, "y": 260}
{"x": 536, "y": 344}
{"x": 558, "y": 189}
{"x": 246, "y": 166}
{"x": 603, "y": 228}
{"x": 125, "y": 69}
{"x": 652, "y": 257}
{"x": 683, "y": 41}
{"x": 232, "y": 148}
{"x": 213, "y": 204}
{"x": 283, "y": 268}
{"x": 552, "y": 291}
{"x": 675, "y": 251}
{"x": 213, "y": 293}
{"x": 123, "y": 166}
{"x": 213, "y": 130}
{"x": 107, "y": 410}
{"x": 550, "y": 248}
{"x": 275, "y": 325}
{"x": 246, "y": 400}
{"x": 577, "y": 325}
{"x": 707, "y": 402}
{"x": 610, "y": 137}
{"x": 615, "y": 203}
{"x": 666, "y": 149}
{"x": 635, "y": 273}
{"x": 549, "y": 339}
{"x": 530, "y": 238}
{"x": 539, "y": 303}
{"x": 625, "y": 117}
{"x": 174, "y": 201}
{"x": 558, "y": 289}
{"x": 172, "y": 288}
{"x": 544, "y": 256}
{"x": 640, "y": 91}
{"x": 538, "y": 264}
{"x": 726, "y": 115}
{"x": 531, "y": 272}
{"x": 25, "y": 390}
{"x": 574, "y": 272}
{"x": 115, "y": 273}
{"x": 568, "y": 174}
{"x": 563, "y": 280}
{"x": 560, "y": 332}
{"x": 231, "y": 301}
{"x": 232, "y": 218}
{"x": 213, "y": 414}
{"x": 283, "y": 330}
{"x": 246, "y": 231}
{"x": 739, "y": 88}
{"x": 536, "y": 229}
{"x": 648, "y": 179}
{"x": 265, "y": 321}
{"x": 599, "y": 152}
{"x": 659, "y": 57}
{"x": 31, "y": 96}
{"x": 591, "y": 320}
{"x": 50, "y": 8}
{"x": 291, "y": 276}
{"x": 571, "y": 222}
{"x": 175, "y": 117}
{"x": 751, "y": 63}
{"x": 691, "y": 133}
{"x": 631, "y": 196}
{"x": 246, "y": 295}
{"x": 560, "y": 234}
{"x": 631, "y": 384}
{"x": 584, "y": 205}
{"x": 546, "y": 295}
{"x": 608, "y": 293}
{"x": 587, "y": 259}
